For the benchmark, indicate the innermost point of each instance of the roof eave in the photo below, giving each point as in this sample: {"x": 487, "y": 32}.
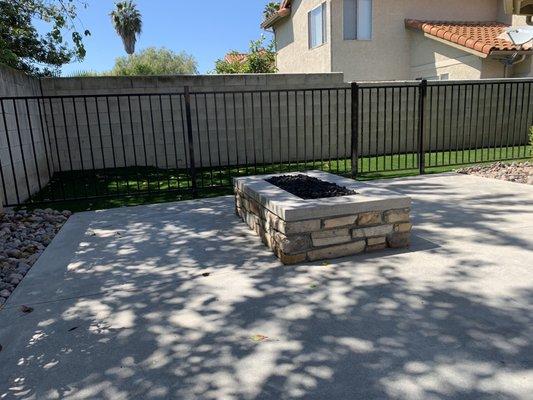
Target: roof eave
{"x": 275, "y": 18}
{"x": 455, "y": 45}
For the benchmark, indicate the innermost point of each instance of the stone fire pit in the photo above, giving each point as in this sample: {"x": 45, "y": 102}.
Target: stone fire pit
{"x": 299, "y": 230}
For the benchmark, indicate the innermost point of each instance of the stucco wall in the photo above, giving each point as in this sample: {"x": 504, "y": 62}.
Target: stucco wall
{"x": 292, "y": 41}
{"x": 388, "y": 55}
{"x": 432, "y": 59}
{"x": 29, "y": 147}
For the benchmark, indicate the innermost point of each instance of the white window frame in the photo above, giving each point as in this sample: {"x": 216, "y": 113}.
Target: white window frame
{"x": 324, "y": 9}
{"x": 356, "y": 22}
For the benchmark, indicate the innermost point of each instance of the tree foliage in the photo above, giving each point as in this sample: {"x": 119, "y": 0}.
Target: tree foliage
{"x": 270, "y": 9}
{"x": 155, "y": 61}
{"x": 24, "y": 48}
{"x": 127, "y": 22}
{"x": 259, "y": 60}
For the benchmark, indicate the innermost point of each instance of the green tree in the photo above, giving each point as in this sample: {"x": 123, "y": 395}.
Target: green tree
{"x": 259, "y": 60}
{"x": 270, "y": 9}
{"x": 155, "y": 61}
{"x": 23, "y": 47}
{"x": 127, "y": 22}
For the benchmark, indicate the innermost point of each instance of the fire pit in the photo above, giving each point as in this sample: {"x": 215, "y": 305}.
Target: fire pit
{"x": 316, "y": 215}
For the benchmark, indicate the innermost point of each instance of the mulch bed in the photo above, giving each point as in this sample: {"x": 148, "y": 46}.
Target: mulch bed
{"x": 307, "y": 187}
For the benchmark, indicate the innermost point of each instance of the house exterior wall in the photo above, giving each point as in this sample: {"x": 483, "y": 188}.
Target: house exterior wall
{"x": 293, "y": 52}
{"x": 387, "y": 55}
{"x": 393, "y": 52}
{"x": 431, "y": 59}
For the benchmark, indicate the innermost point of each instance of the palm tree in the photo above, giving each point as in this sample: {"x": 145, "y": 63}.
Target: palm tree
{"x": 128, "y": 23}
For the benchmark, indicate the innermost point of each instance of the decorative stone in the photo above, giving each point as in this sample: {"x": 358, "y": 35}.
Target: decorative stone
{"x": 339, "y": 222}
{"x": 376, "y": 247}
{"x": 254, "y": 207}
{"x": 5, "y": 293}
{"x": 290, "y": 228}
{"x": 17, "y": 277}
{"x": 404, "y": 227}
{"x": 382, "y": 230}
{"x": 328, "y": 238}
{"x": 399, "y": 240}
{"x": 395, "y": 216}
{"x": 369, "y": 219}
{"x": 342, "y": 250}
{"x": 299, "y": 229}
{"x": 292, "y": 244}
{"x": 376, "y": 241}
{"x": 290, "y": 259}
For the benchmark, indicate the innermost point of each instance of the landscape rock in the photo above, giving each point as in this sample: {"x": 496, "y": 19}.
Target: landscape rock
{"x": 513, "y": 172}
{"x": 23, "y": 237}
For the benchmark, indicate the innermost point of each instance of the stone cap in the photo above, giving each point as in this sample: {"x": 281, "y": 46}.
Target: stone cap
{"x": 293, "y": 208}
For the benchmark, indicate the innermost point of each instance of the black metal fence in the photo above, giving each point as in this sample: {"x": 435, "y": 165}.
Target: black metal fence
{"x": 67, "y": 148}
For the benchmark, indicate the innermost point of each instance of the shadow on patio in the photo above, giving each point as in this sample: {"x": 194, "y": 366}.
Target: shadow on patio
{"x": 181, "y": 301}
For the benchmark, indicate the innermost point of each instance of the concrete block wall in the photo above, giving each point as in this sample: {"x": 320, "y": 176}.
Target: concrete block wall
{"x": 148, "y": 128}
{"x": 24, "y": 166}
{"x": 110, "y": 122}
{"x": 459, "y": 117}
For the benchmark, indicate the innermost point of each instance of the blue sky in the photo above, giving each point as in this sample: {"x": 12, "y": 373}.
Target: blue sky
{"x": 206, "y": 29}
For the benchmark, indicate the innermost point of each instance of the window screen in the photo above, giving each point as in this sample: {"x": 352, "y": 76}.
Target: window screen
{"x": 357, "y": 16}
{"x": 317, "y": 26}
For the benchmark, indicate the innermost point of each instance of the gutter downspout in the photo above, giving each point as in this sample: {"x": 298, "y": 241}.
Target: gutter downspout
{"x": 510, "y": 62}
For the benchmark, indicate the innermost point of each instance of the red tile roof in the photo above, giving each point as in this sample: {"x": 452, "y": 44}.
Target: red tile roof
{"x": 239, "y": 57}
{"x": 284, "y": 10}
{"x": 236, "y": 57}
{"x": 479, "y": 36}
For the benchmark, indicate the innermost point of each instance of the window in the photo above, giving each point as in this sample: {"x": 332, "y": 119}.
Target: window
{"x": 317, "y": 26}
{"x": 357, "y": 19}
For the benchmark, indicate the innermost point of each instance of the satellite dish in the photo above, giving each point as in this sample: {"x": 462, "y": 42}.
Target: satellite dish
{"x": 519, "y": 36}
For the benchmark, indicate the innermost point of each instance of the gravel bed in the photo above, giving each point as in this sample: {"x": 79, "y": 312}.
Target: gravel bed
{"x": 307, "y": 187}
{"x": 23, "y": 237}
{"x": 514, "y": 172}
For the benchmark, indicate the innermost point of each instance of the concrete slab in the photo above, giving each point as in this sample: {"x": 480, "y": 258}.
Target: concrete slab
{"x": 122, "y": 309}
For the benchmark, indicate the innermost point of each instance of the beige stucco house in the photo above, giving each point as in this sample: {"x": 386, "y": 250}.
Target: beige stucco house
{"x": 398, "y": 39}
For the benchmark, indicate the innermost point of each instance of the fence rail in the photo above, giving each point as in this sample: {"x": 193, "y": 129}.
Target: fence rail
{"x": 66, "y": 148}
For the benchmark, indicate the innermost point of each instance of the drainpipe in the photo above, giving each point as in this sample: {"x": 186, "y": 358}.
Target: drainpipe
{"x": 511, "y": 61}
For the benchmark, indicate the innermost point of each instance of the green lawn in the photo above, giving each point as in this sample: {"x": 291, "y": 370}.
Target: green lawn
{"x": 142, "y": 185}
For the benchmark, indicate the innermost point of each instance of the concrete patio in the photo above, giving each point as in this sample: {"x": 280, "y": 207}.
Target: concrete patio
{"x": 181, "y": 301}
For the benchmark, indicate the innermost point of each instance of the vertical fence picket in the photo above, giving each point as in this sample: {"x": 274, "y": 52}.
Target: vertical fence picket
{"x": 78, "y": 147}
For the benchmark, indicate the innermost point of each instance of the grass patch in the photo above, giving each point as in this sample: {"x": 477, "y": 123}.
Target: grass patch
{"x": 110, "y": 188}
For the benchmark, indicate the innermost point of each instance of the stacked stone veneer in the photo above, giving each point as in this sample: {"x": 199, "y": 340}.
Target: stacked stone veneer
{"x": 325, "y": 238}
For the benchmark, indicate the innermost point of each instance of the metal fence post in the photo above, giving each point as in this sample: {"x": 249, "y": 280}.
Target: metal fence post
{"x": 421, "y": 116}
{"x": 192, "y": 166}
{"x": 355, "y": 129}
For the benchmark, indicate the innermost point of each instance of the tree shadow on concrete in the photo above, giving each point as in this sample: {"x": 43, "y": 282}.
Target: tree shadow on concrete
{"x": 181, "y": 301}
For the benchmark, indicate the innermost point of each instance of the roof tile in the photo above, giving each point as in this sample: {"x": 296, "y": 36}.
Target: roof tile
{"x": 479, "y": 36}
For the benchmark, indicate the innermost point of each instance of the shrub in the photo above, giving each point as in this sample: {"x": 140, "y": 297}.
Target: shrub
{"x": 155, "y": 61}
{"x": 259, "y": 60}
